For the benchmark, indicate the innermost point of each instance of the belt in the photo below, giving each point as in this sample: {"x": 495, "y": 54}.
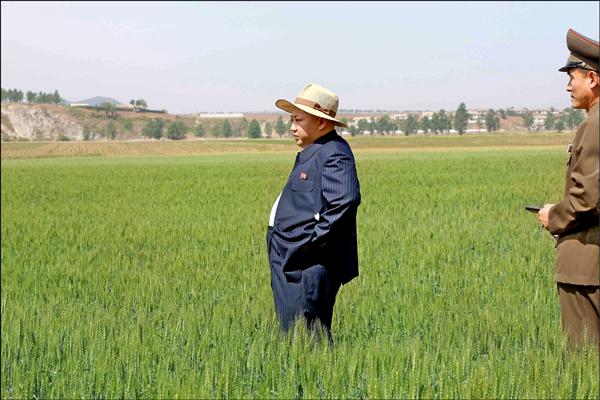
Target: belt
{"x": 590, "y": 235}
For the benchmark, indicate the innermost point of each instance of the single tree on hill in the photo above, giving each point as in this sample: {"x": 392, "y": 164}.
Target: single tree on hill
{"x": 410, "y": 125}
{"x": 110, "y": 131}
{"x": 440, "y": 121}
{"x": 226, "y": 130}
{"x": 492, "y": 122}
{"x": 279, "y": 127}
{"x": 268, "y": 129}
{"x": 176, "y": 130}
{"x": 426, "y": 124}
{"x": 461, "y": 118}
{"x": 199, "y": 130}
{"x": 560, "y": 124}
{"x": 527, "y": 120}
{"x": 109, "y": 109}
{"x": 550, "y": 121}
{"x": 254, "y": 129}
{"x": 154, "y": 128}
{"x": 31, "y": 97}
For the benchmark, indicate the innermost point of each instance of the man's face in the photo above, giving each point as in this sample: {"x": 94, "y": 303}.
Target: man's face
{"x": 579, "y": 87}
{"x": 305, "y": 127}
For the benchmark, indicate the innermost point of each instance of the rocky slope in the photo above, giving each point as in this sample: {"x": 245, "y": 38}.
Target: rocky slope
{"x": 40, "y": 122}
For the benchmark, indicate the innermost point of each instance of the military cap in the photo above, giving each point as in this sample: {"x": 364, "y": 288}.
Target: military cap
{"x": 585, "y": 52}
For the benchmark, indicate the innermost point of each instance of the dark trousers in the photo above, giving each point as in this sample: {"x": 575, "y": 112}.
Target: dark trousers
{"x": 308, "y": 293}
{"x": 580, "y": 313}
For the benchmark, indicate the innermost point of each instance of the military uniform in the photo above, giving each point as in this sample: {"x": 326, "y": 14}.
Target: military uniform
{"x": 575, "y": 219}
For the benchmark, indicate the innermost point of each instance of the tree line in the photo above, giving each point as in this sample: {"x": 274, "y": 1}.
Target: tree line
{"x": 439, "y": 122}
{"x": 16, "y": 96}
{"x": 176, "y": 130}
{"x": 443, "y": 121}
{"x": 568, "y": 118}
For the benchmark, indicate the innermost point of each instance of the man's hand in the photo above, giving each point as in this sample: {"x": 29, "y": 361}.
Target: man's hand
{"x": 543, "y": 214}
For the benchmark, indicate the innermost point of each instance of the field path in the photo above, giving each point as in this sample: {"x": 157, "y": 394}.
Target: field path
{"x": 20, "y": 150}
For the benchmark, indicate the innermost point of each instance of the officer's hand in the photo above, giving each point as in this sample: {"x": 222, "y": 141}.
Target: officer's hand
{"x": 543, "y": 214}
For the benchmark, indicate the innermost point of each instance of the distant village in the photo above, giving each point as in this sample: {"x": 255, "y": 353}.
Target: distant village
{"x": 101, "y": 118}
{"x": 377, "y": 122}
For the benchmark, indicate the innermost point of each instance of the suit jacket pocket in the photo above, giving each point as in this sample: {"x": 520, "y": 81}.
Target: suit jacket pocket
{"x": 299, "y": 185}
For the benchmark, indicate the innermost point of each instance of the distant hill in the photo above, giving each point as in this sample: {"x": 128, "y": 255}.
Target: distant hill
{"x": 96, "y": 101}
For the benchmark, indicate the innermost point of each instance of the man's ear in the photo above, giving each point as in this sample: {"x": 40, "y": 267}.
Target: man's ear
{"x": 594, "y": 79}
{"x": 322, "y": 123}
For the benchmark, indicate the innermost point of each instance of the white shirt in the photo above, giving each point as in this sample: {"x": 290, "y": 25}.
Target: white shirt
{"x": 274, "y": 210}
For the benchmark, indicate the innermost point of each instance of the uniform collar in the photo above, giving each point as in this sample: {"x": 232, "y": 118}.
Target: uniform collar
{"x": 594, "y": 106}
{"x": 308, "y": 152}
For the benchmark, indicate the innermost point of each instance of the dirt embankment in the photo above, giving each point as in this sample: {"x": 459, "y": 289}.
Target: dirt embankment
{"x": 50, "y": 122}
{"x": 39, "y": 122}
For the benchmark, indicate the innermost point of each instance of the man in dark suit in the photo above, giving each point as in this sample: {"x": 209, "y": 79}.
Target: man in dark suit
{"x": 311, "y": 239}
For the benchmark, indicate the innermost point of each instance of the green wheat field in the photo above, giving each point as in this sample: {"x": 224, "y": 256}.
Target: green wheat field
{"x": 146, "y": 276}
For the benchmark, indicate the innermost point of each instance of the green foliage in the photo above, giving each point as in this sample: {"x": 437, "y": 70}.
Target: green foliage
{"x": 62, "y": 138}
{"x": 110, "y": 130}
{"x": 16, "y": 96}
{"x": 242, "y": 126}
{"x": 384, "y": 124}
{"x": 109, "y": 108}
{"x": 573, "y": 117}
{"x": 226, "y": 130}
{"x": 254, "y": 129}
{"x": 87, "y": 134}
{"x": 199, "y": 130}
{"x": 139, "y": 104}
{"x": 165, "y": 293}
{"x": 217, "y": 129}
{"x": 31, "y": 97}
{"x": 461, "y": 118}
{"x": 441, "y": 122}
{"x": 560, "y": 124}
{"x": 279, "y": 126}
{"x": 128, "y": 125}
{"x": 410, "y": 125}
{"x": 12, "y": 95}
{"x": 492, "y": 122}
{"x": 527, "y": 119}
{"x": 154, "y": 128}
{"x": 268, "y": 129}
{"x": 550, "y": 121}
{"x": 176, "y": 130}
{"x": 426, "y": 124}
{"x": 363, "y": 125}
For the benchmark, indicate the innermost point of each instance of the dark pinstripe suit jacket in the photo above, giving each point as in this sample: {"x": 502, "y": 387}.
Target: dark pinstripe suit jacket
{"x": 315, "y": 221}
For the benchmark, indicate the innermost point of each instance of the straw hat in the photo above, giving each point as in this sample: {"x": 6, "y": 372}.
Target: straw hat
{"x": 315, "y": 100}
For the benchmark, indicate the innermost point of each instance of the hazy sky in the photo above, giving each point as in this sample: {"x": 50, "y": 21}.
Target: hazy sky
{"x": 241, "y": 56}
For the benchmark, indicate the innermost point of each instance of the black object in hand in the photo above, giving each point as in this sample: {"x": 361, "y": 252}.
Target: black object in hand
{"x": 533, "y": 209}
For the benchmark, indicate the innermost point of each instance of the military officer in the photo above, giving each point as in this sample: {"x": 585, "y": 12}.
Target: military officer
{"x": 575, "y": 219}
